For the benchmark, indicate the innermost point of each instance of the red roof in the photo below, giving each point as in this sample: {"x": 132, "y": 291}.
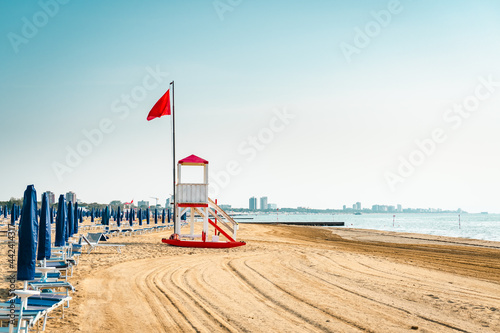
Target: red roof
{"x": 193, "y": 159}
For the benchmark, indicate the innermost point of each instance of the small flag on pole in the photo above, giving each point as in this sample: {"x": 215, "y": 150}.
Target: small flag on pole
{"x": 161, "y": 108}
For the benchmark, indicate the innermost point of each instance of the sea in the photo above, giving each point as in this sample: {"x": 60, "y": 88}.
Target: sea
{"x": 473, "y": 226}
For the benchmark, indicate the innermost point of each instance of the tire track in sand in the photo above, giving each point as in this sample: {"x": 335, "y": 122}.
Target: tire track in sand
{"x": 255, "y": 288}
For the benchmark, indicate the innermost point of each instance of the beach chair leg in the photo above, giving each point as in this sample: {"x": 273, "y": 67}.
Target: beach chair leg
{"x": 45, "y": 322}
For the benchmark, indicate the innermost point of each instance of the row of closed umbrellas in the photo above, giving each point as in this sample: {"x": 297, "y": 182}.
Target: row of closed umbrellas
{"x": 35, "y": 226}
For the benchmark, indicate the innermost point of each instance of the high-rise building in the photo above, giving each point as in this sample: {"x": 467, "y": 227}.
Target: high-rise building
{"x": 272, "y": 206}
{"x": 344, "y": 207}
{"x": 263, "y": 203}
{"x": 143, "y": 204}
{"x": 252, "y": 203}
{"x": 71, "y": 197}
{"x": 358, "y": 205}
{"x": 400, "y": 208}
{"x": 51, "y": 197}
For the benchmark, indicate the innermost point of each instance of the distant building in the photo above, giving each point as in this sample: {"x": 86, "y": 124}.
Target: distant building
{"x": 400, "y": 208}
{"x": 358, "y": 205}
{"x": 71, "y": 197}
{"x": 252, "y": 203}
{"x": 344, "y": 207}
{"x": 263, "y": 203}
{"x": 51, "y": 197}
{"x": 272, "y": 206}
{"x": 354, "y": 206}
{"x": 225, "y": 207}
{"x": 391, "y": 209}
{"x": 143, "y": 204}
{"x": 375, "y": 208}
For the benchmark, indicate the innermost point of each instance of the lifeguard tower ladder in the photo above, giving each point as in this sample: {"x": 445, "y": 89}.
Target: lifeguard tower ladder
{"x": 193, "y": 198}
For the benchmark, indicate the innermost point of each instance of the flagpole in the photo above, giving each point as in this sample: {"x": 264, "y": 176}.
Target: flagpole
{"x": 173, "y": 155}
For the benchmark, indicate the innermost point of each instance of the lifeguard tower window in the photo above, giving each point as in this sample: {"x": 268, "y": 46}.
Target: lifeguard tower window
{"x": 192, "y": 174}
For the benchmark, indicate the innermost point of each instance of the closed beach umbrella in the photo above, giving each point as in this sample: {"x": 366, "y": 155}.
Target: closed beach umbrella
{"x": 139, "y": 216}
{"x": 81, "y": 215}
{"x": 147, "y": 215}
{"x": 92, "y": 215}
{"x": 130, "y": 220}
{"x": 71, "y": 220}
{"x": 61, "y": 222}
{"x": 163, "y": 216}
{"x": 168, "y": 215}
{"x": 75, "y": 225}
{"x": 76, "y": 211}
{"x": 44, "y": 246}
{"x": 77, "y": 217}
{"x": 13, "y": 215}
{"x": 28, "y": 237}
{"x": 5, "y": 211}
{"x": 105, "y": 216}
{"x": 156, "y": 215}
{"x": 118, "y": 217}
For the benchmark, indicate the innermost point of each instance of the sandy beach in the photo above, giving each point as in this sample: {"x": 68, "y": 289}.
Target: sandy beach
{"x": 289, "y": 279}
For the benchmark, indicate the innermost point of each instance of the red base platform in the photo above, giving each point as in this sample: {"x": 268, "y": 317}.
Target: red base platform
{"x": 201, "y": 244}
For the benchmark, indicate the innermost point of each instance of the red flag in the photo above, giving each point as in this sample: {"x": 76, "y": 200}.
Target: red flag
{"x": 161, "y": 108}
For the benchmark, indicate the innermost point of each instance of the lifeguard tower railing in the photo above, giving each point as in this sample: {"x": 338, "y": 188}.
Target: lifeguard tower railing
{"x": 192, "y": 193}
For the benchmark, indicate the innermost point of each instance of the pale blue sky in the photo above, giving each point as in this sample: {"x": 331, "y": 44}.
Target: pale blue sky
{"x": 352, "y": 119}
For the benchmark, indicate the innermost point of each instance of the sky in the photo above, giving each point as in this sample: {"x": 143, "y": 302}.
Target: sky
{"x": 311, "y": 103}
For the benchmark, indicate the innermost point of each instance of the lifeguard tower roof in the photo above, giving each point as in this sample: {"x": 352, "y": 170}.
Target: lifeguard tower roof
{"x": 193, "y": 160}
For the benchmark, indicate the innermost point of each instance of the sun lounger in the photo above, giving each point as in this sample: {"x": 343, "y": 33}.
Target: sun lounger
{"x": 53, "y": 287}
{"x": 94, "y": 239}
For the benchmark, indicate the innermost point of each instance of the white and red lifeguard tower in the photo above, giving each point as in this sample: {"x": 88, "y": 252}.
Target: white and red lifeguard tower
{"x": 192, "y": 199}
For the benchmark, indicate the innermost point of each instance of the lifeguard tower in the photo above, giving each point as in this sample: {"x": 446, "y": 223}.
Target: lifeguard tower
{"x": 192, "y": 199}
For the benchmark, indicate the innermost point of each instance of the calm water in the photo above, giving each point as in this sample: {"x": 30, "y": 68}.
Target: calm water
{"x": 475, "y": 226}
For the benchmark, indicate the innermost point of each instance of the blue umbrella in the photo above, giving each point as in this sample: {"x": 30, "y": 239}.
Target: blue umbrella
{"x": 44, "y": 232}
{"x": 18, "y": 212}
{"x": 139, "y": 216}
{"x": 130, "y": 220}
{"x": 156, "y": 215}
{"x": 52, "y": 220}
{"x": 61, "y": 222}
{"x": 92, "y": 215}
{"x": 118, "y": 217}
{"x": 168, "y": 215}
{"x": 163, "y": 216}
{"x": 28, "y": 237}
{"x": 71, "y": 220}
{"x": 147, "y": 215}
{"x": 75, "y": 225}
{"x": 81, "y": 215}
{"x": 105, "y": 216}
{"x": 13, "y": 215}
{"x": 5, "y": 211}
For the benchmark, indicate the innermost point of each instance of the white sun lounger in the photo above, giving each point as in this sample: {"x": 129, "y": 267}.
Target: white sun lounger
{"x": 93, "y": 240}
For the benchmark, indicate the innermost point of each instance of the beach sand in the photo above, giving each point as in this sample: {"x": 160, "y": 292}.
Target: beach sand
{"x": 289, "y": 279}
